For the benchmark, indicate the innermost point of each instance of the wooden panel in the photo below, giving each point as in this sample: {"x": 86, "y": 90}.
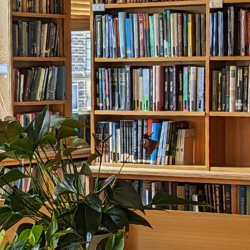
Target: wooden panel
{"x": 80, "y": 7}
{"x": 175, "y": 230}
{"x": 80, "y": 24}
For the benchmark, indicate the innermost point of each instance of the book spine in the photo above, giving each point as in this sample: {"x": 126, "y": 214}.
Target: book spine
{"x": 242, "y": 199}
{"x": 122, "y": 33}
{"x": 136, "y": 37}
{"x": 198, "y": 34}
{"x": 203, "y": 35}
{"x": 128, "y": 105}
{"x": 185, "y": 89}
{"x": 201, "y": 89}
{"x": 166, "y": 89}
{"x": 156, "y": 35}
{"x": 245, "y": 89}
{"x": 161, "y": 35}
{"x": 232, "y": 88}
{"x": 151, "y": 35}
{"x": 211, "y": 18}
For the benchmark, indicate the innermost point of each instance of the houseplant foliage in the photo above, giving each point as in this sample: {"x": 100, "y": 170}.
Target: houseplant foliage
{"x": 64, "y": 216}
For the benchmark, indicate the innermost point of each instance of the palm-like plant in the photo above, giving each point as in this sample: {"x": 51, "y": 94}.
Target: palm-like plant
{"x": 65, "y": 217}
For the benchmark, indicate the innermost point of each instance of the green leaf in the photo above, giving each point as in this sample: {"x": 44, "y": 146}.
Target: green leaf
{"x": 2, "y": 235}
{"x": 11, "y": 176}
{"x": 125, "y": 195}
{"x": 20, "y": 245}
{"x": 37, "y": 247}
{"x": 6, "y": 246}
{"x": 73, "y": 123}
{"x": 68, "y": 151}
{"x": 66, "y": 186}
{"x": 37, "y": 232}
{"x": 5, "y": 213}
{"x": 87, "y": 217}
{"x": 115, "y": 219}
{"x": 91, "y": 158}
{"x": 64, "y": 232}
{"x": 9, "y": 154}
{"x": 50, "y": 137}
{"x": 161, "y": 198}
{"x": 67, "y": 213}
{"x": 114, "y": 242}
{"x": 78, "y": 142}
{"x": 50, "y": 239}
{"x": 135, "y": 218}
{"x": 10, "y": 131}
{"x": 70, "y": 241}
{"x": 21, "y": 146}
{"x": 64, "y": 132}
{"x": 12, "y": 220}
{"x": 103, "y": 184}
{"x": 96, "y": 139}
{"x": 38, "y": 127}
{"x": 25, "y": 235}
{"x": 85, "y": 170}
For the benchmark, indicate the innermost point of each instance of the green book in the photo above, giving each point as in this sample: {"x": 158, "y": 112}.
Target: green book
{"x": 151, "y": 36}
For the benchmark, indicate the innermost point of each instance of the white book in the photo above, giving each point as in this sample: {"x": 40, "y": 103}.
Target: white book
{"x": 110, "y": 142}
{"x": 201, "y": 89}
{"x": 232, "y": 87}
{"x": 117, "y": 145}
{"x": 156, "y": 35}
{"x": 193, "y": 89}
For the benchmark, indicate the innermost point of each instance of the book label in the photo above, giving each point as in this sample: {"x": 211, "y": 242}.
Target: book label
{"x": 98, "y": 7}
{"x": 214, "y": 4}
{"x": 3, "y": 69}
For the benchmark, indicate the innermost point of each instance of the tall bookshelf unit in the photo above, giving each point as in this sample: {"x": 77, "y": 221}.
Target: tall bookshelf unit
{"x": 221, "y": 152}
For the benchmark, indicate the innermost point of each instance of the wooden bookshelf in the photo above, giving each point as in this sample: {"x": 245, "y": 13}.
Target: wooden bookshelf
{"x": 222, "y": 146}
{"x": 39, "y": 59}
{"x": 38, "y": 15}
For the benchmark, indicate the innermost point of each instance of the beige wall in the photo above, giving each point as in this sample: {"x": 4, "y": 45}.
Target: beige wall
{"x": 5, "y": 58}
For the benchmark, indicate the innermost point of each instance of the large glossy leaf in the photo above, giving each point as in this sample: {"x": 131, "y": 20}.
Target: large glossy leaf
{"x": 38, "y": 127}
{"x": 5, "y": 213}
{"x": 135, "y": 218}
{"x": 125, "y": 195}
{"x": 50, "y": 239}
{"x": 21, "y": 146}
{"x": 50, "y": 137}
{"x": 20, "y": 245}
{"x": 67, "y": 213}
{"x": 64, "y": 132}
{"x": 10, "y": 131}
{"x": 66, "y": 186}
{"x": 68, "y": 151}
{"x": 24, "y": 203}
{"x": 85, "y": 170}
{"x": 87, "y": 217}
{"x": 103, "y": 184}
{"x": 11, "y": 176}
{"x": 9, "y": 154}
{"x": 115, "y": 219}
{"x": 91, "y": 158}
{"x": 161, "y": 198}
{"x": 114, "y": 242}
{"x": 70, "y": 241}
{"x": 11, "y": 221}
{"x": 73, "y": 123}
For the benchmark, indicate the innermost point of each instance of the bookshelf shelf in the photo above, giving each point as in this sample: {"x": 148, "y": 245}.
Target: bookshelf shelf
{"x": 229, "y": 58}
{"x": 229, "y": 114}
{"x": 235, "y": 1}
{"x": 148, "y": 113}
{"x": 154, "y": 4}
{"x": 39, "y": 59}
{"x": 37, "y": 103}
{"x": 174, "y": 173}
{"x": 37, "y": 15}
{"x": 152, "y": 59}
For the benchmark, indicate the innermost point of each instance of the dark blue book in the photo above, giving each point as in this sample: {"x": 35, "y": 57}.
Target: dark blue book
{"x": 227, "y": 194}
{"x": 242, "y": 199}
{"x": 211, "y": 35}
{"x": 135, "y": 142}
{"x": 215, "y": 34}
{"x": 61, "y": 83}
{"x": 110, "y": 37}
{"x": 156, "y": 132}
{"x": 131, "y": 34}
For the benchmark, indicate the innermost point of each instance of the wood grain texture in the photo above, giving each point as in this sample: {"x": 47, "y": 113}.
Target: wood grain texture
{"x": 176, "y": 230}
{"x": 6, "y": 107}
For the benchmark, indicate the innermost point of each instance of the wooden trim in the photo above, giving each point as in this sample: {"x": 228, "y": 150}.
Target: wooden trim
{"x": 39, "y": 59}
{"x": 37, "y": 15}
{"x": 38, "y": 103}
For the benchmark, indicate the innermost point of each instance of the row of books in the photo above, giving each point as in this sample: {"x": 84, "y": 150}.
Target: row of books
{"x": 132, "y": 1}
{"x": 166, "y": 34}
{"x": 26, "y": 118}
{"x": 84, "y": 131}
{"x": 230, "y": 32}
{"x": 38, "y": 6}
{"x": 223, "y": 198}
{"x": 176, "y": 142}
{"x": 35, "y": 39}
{"x": 230, "y": 89}
{"x": 39, "y": 84}
{"x": 156, "y": 88}
{"x": 26, "y": 184}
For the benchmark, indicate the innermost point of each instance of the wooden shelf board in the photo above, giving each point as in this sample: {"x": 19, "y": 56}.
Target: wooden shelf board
{"x": 38, "y": 103}
{"x": 37, "y": 15}
{"x": 236, "y": 169}
{"x": 155, "y": 4}
{"x": 235, "y": 1}
{"x": 174, "y": 173}
{"x": 152, "y": 59}
{"x": 39, "y": 59}
{"x": 229, "y": 114}
{"x": 230, "y": 58}
{"x": 80, "y": 153}
{"x": 148, "y": 113}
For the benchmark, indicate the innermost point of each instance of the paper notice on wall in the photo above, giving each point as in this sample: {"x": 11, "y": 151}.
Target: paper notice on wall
{"x": 3, "y": 69}
{"x": 214, "y": 4}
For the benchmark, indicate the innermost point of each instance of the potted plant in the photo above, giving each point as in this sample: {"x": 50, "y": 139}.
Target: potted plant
{"x": 64, "y": 216}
